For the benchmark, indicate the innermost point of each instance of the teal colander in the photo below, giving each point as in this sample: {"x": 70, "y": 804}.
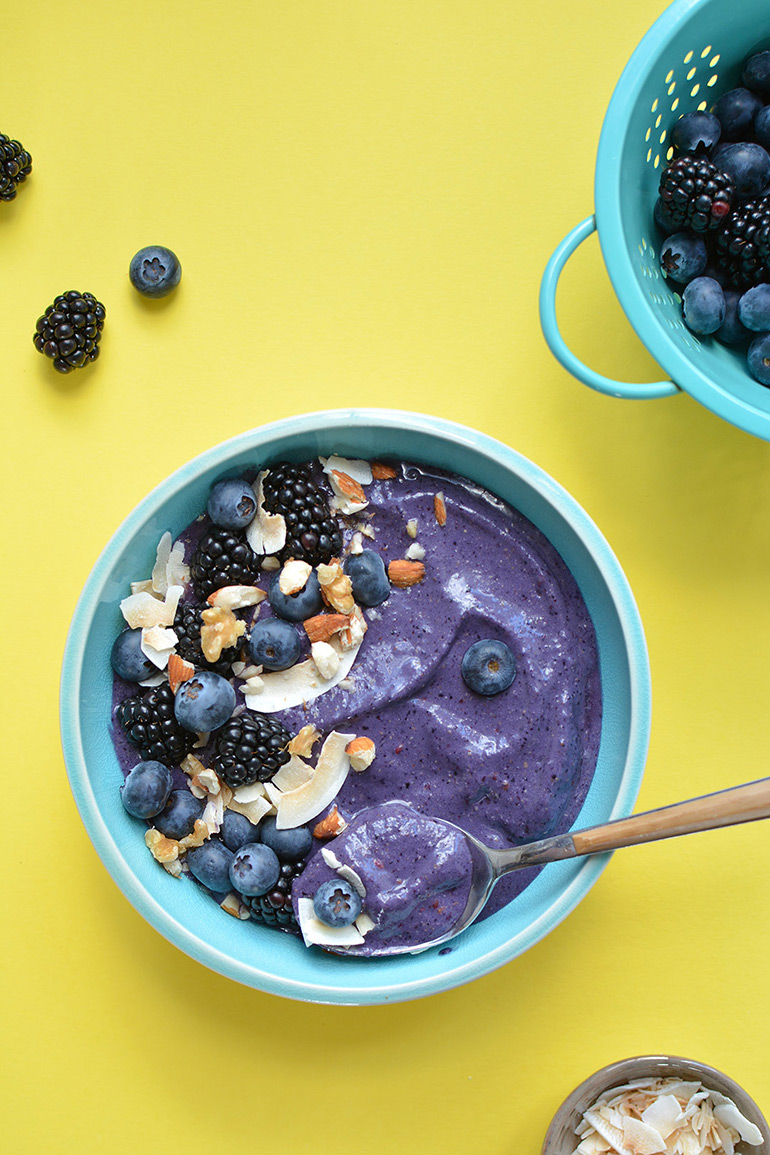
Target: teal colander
{"x": 692, "y": 53}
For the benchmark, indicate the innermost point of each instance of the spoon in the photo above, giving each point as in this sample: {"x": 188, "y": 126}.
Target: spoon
{"x": 730, "y": 807}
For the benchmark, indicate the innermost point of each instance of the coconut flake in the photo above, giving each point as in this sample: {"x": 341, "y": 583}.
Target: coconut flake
{"x": 330, "y": 858}
{"x": 157, "y": 644}
{"x": 293, "y": 577}
{"x": 266, "y": 533}
{"x": 162, "y": 554}
{"x": 283, "y": 689}
{"x": 364, "y": 923}
{"x": 317, "y": 933}
{"x": 354, "y": 878}
{"x": 641, "y": 1139}
{"x": 296, "y": 807}
{"x": 293, "y": 775}
{"x": 729, "y": 1115}
{"x": 255, "y": 811}
{"x": 248, "y": 793}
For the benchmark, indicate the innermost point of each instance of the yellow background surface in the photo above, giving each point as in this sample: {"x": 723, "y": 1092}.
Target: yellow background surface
{"x": 363, "y": 196}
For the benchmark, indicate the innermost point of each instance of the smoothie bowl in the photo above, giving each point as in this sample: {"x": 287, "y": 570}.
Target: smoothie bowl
{"x": 378, "y": 728}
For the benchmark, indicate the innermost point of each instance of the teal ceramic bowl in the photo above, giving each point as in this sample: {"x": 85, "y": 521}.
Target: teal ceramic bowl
{"x": 690, "y": 56}
{"x": 279, "y": 963}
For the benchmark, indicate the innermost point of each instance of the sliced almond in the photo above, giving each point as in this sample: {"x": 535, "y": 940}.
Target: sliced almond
{"x": 350, "y": 496}
{"x": 383, "y": 472}
{"x": 330, "y": 826}
{"x": 293, "y": 577}
{"x": 236, "y": 597}
{"x": 220, "y": 631}
{"x": 404, "y": 573}
{"x": 361, "y": 752}
{"x": 303, "y": 741}
{"x": 359, "y": 470}
{"x": 323, "y": 626}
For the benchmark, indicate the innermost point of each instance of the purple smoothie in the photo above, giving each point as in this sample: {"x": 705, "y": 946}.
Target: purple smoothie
{"x": 509, "y": 768}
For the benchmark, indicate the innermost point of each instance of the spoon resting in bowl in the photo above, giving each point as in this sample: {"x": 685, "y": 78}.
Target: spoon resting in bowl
{"x": 746, "y": 803}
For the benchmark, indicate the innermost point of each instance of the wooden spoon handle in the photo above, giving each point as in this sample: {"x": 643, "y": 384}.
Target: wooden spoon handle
{"x": 725, "y": 808}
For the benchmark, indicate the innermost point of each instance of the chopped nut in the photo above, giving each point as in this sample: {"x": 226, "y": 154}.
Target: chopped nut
{"x": 382, "y": 472}
{"x": 366, "y": 529}
{"x": 197, "y": 838}
{"x": 336, "y": 587}
{"x": 161, "y": 848}
{"x": 174, "y": 867}
{"x": 411, "y": 527}
{"x": 323, "y": 626}
{"x": 231, "y": 904}
{"x": 192, "y": 765}
{"x": 349, "y": 496}
{"x": 326, "y": 659}
{"x": 178, "y": 671}
{"x": 294, "y": 577}
{"x": 220, "y": 630}
{"x": 354, "y": 631}
{"x": 236, "y": 597}
{"x": 439, "y": 508}
{"x": 330, "y": 826}
{"x": 303, "y": 741}
{"x": 361, "y": 753}
{"x": 416, "y": 552}
{"x": 269, "y": 563}
{"x": 404, "y": 573}
{"x": 356, "y": 544}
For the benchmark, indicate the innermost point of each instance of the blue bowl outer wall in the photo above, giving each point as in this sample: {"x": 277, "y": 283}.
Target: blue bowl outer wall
{"x": 626, "y": 188}
{"x": 280, "y": 964}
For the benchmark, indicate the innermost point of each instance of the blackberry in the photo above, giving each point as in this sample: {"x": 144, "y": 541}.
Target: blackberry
{"x": 222, "y": 557}
{"x": 312, "y": 532}
{"x": 696, "y": 194}
{"x": 70, "y": 330}
{"x": 187, "y": 627}
{"x": 151, "y": 726}
{"x": 15, "y": 167}
{"x": 275, "y": 909}
{"x": 250, "y": 748}
{"x": 742, "y": 245}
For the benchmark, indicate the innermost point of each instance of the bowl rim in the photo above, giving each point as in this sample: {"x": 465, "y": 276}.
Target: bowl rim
{"x": 622, "y": 1070}
{"x": 684, "y": 371}
{"x": 602, "y": 557}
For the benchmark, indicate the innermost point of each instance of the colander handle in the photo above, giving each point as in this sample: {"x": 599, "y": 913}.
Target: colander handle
{"x": 628, "y": 389}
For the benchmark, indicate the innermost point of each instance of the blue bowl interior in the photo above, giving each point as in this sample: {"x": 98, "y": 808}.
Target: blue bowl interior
{"x": 689, "y": 57}
{"x": 181, "y": 911}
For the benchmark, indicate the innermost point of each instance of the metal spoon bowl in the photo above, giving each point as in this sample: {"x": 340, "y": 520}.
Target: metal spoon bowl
{"x": 747, "y": 803}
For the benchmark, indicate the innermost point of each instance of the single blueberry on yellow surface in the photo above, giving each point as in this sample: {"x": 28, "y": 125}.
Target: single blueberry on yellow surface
{"x": 155, "y": 271}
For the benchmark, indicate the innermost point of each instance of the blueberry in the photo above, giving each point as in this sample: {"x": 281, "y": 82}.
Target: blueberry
{"x": 146, "y": 789}
{"x": 290, "y": 845}
{"x": 756, "y": 73}
{"x": 211, "y": 864}
{"x": 735, "y": 111}
{"x": 703, "y": 305}
{"x": 128, "y": 660}
{"x": 696, "y": 130}
{"x": 747, "y": 165}
{"x": 488, "y": 667}
{"x": 204, "y": 702}
{"x": 754, "y": 309}
{"x": 297, "y": 607}
{"x": 682, "y": 257}
{"x": 759, "y": 358}
{"x": 237, "y": 830}
{"x": 368, "y": 578}
{"x": 155, "y": 271}
{"x": 178, "y": 817}
{"x": 762, "y": 127}
{"x": 232, "y": 504}
{"x": 255, "y": 869}
{"x": 336, "y": 903}
{"x": 274, "y": 644}
{"x": 732, "y": 331}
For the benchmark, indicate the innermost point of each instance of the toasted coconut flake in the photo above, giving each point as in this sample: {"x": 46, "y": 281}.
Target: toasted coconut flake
{"x": 330, "y": 826}
{"x": 266, "y": 533}
{"x": 729, "y": 1116}
{"x": 220, "y": 631}
{"x": 366, "y": 529}
{"x": 304, "y": 740}
{"x": 301, "y": 683}
{"x": 360, "y": 471}
{"x": 641, "y": 1139}
{"x": 178, "y": 671}
{"x": 156, "y": 679}
{"x": 273, "y": 792}
{"x": 293, "y": 774}
{"x": 157, "y": 644}
{"x": 249, "y": 793}
{"x": 664, "y": 1114}
{"x": 236, "y": 597}
{"x": 317, "y": 933}
{"x": 162, "y": 554}
{"x": 192, "y": 766}
{"x": 255, "y": 811}
{"x": 143, "y": 587}
{"x": 383, "y": 472}
{"x": 293, "y": 577}
{"x": 143, "y": 611}
{"x": 297, "y": 807}
{"x": 361, "y": 752}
